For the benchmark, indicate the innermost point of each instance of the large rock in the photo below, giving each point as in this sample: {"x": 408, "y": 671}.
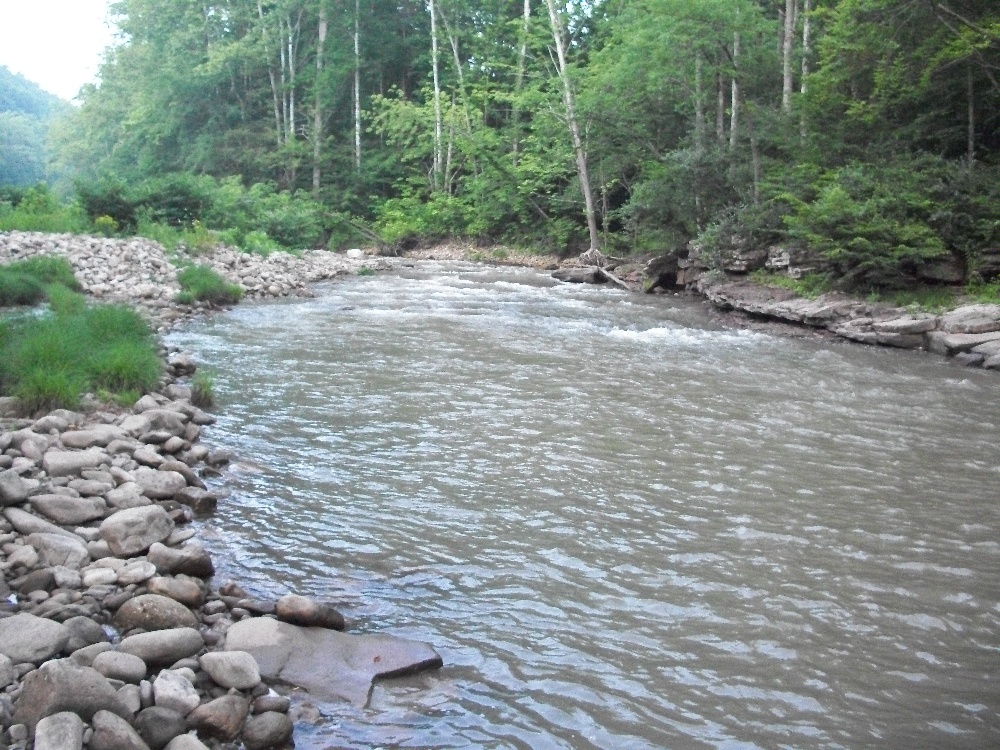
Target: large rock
{"x": 154, "y": 612}
{"x": 166, "y": 420}
{"x": 231, "y": 669}
{"x": 56, "y": 549}
{"x": 118, "y": 665}
{"x": 112, "y": 732}
{"x": 135, "y": 425}
{"x": 26, "y": 638}
{"x": 300, "y": 610}
{"x": 328, "y": 664}
{"x": 13, "y": 489}
{"x": 69, "y": 511}
{"x": 159, "y": 484}
{"x": 163, "y": 647}
{"x": 65, "y": 685}
{"x": 269, "y": 729}
{"x": 221, "y": 718}
{"x": 190, "y": 559}
{"x": 83, "y": 632}
{"x": 200, "y": 501}
{"x": 132, "y": 531}
{"x": 66, "y": 463}
{"x": 7, "y": 672}
{"x": 28, "y": 523}
{"x": 174, "y": 691}
{"x": 61, "y": 731}
{"x": 971, "y": 319}
{"x": 158, "y": 726}
{"x": 94, "y": 435}
{"x": 127, "y": 495}
{"x": 183, "y": 590}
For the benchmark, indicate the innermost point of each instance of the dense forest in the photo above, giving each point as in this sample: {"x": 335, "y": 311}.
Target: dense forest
{"x": 26, "y": 113}
{"x": 865, "y": 132}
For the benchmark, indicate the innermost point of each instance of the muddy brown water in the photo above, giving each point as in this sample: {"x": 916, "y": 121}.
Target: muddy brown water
{"x": 620, "y": 526}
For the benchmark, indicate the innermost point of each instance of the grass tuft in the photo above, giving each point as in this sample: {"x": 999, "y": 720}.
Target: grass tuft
{"x": 203, "y": 390}
{"x": 204, "y": 284}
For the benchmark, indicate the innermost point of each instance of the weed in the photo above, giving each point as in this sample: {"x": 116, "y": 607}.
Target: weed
{"x": 811, "y": 285}
{"x": 203, "y": 389}
{"x": 366, "y": 271}
{"x": 204, "y": 284}
{"x": 984, "y": 292}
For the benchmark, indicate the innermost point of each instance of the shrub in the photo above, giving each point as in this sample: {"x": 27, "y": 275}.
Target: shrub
{"x": 49, "y": 269}
{"x": 201, "y": 283}
{"x": 26, "y": 282}
{"x": 106, "y": 226}
{"x": 39, "y": 211}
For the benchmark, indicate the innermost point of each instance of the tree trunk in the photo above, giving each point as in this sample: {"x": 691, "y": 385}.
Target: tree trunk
{"x": 971, "y": 92}
{"x": 787, "y": 47}
{"x": 806, "y": 51}
{"x": 720, "y": 109}
{"x": 522, "y": 60}
{"x": 438, "y": 124}
{"x": 734, "y": 119}
{"x": 270, "y": 73}
{"x": 357, "y": 85}
{"x": 699, "y": 104}
{"x": 318, "y": 113}
{"x": 574, "y": 125}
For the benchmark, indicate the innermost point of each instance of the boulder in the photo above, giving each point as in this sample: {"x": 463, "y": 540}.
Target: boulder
{"x": 117, "y": 665}
{"x": 66, "y": 463}
{"x": 69, "y": 511}
{"x": 91, "y": 487}
{"x": 183, "y": 590}
{"x": 26, "y": 638}
{"x": 127, "y": 495}
{"x": 13, "y": 489}
{"x": 184, "y": 470}
{"x": 132, "y": 531}
{"x": 94, "y": 435}
{"x": 231, "y": 669}
{"x": 158, "y": 726}
{"x": 186, "y": 742}
{"x": 221, "y": 718}
{"x": 154, "y": 612}
{"x": 166, "y": 420}
{"x": 190, "y": 559}
{"x": 66, "y": 685}
{"x": 971, "y": 319}
{"x": 199, "y": 500}
{"x": 267, "y": 730}
{"x": 112, "y": 732}
{"x": 328, "y": 664}
{"x": 158, "y": 484}
{"x": 173, "y": 691}
{"x": 579, "y": 275}
{"x": 56, "y": 549}
{"x": 61, "y": 731}
{"x": 163, "y": 647}
{"x": 300, "y": 610}
{"x": 28, "y": 523}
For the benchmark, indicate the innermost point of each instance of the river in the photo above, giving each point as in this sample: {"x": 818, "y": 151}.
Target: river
{"x": 621, "y": 525}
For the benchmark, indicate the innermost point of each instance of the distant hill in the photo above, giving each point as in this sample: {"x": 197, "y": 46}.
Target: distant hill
{"x": 26, "y": 112}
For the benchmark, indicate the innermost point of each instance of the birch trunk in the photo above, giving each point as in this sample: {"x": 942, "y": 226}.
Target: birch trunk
{"x": 720, "y": 110}
{"x": 318, "y": 113}
{"x": 787, "y": 48}
{"x": 357, "y": 85}
{"x": 522, "y": 61}
{"x": 971, "y": 93}
{"x": 438, "y": 127}
{"x": 734, "y": 119}
{"x": 270, "y": 74}
{"x": 699, "y": 105}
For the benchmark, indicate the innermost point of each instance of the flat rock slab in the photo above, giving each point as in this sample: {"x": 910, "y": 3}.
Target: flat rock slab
{"x": 69, "y": 511}
{"x": 65, "y": 463}
{"x": 328, "y": 664}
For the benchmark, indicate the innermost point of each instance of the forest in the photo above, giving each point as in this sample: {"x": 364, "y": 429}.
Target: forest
{"x": 863, "y": 133}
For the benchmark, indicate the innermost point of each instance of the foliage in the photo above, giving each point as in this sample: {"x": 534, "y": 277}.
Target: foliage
{"x": 811, "y": 285}
{"x": 366, "y": 271}
{"x": 203, "y": 284}
{"x": 38, "y": 210}
{"x": 29, "y": 281}
{"x": 203, "y": 389}
{"x": 26, "y": 113}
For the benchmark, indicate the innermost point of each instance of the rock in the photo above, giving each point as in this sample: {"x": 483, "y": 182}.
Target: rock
{"x": 37, "y": 580}
{"x": 579, "y": 274}
{"x": 60, "y": 731}
{"x": 27, "y": 523}
{"x": 25, "y": 555}
{"x": 83, "y": 632}
{"x": 163, "y": 647}
{"x": 186, "y": 742}
{"x": 117, "y": 665}
{"x": 191, "y": 560}
{"x": 91, "y": 487}
{"x": 131, "y": 696}
{"x": 154, "y": 612}
{"x": 95, "y": 435}
{"x": 199, "y": 500}
{"x": 184, "y": 470}
{"x": 968, "y": 359}
{"x": 185, "y": 591}
{"x": 300, "y": 610}
{"x": 940, "y": 342}
{"x": 267, "y": 730}
{"x": 158, "y": 726}
{"x": 130, "y": 532}
{"x": 65, "y": 685}
{"x": 158, "y": 484}
{"x": 175, "y": 692}
{"x": 908, "y": 325}
{"x": 66, "y": 578}
{"x": 69, "y": 511}
{"x": 112, "y": 732}
{"x": 99, "y": 577}
{"x": 971, "y": 319}
{"x": 66, "y": 463}
{"x": 7, "y": 672}
{"x": 135, "y": 425}
{"x": 26, "y": 638}
{"x": 328, "y": 664}
{"x": 50, "y": 422}
{"x": 56, "y": 549}
{"x": 127, "y": 495}
{"x": 136, "y": 572}
{"x": 901, "y": 340}
{"x": 166, "y": 420}
{"x": 271, "y": 702}
{"x": 221, "y": 718}
{"x": 13, "y": 489}
{"x": 85, "y": 656}
{"x": 231, "y": 669}
{"x": 992, "y": 363}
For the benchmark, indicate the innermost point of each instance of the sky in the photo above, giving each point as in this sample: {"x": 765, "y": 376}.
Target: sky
{"x": 58, "y": 44}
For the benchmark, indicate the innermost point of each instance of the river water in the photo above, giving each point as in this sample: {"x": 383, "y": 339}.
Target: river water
{"x": 621, "y": 525}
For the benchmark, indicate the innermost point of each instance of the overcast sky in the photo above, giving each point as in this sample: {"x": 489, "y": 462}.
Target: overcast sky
{"x": 55, "y": 43}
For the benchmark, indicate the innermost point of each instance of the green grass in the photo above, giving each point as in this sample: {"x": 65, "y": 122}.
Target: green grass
{"x": 28, "y": 282}
{"x": 19, "y": 289}
{"x": 984, "y": 292}
{"x": 366, "y": 271}
{"x": 47, "y": 361}
{"x": 933, "y": 299}
{"x": 58, "y": 220}
{"x": 203, "y": 389}
{"x": 203, "y": 284}
{"x": 811, "y": 285}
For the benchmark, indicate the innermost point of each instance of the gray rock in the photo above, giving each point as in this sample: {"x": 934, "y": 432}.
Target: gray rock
{"x": 95, "y": 435}
{"x": 127, "y": 495}
{"x": 7, "y": 672}
{"x": 145, "y": 403}
{"x": 28, "y": 523}
{"x": 65, "y": 685}
{"x": 91, "y": 487}
{"x": 13, "y": 489}
{"x": 199, "y": 500}
{"x": 271, "y": 702}
{"x": 148, "y": 457}
{"x": 221, "y": 718}
{"x": 184, "y": 470}
{"x": 83, "y": 632}
{"x": 99, "y": 577}
{"x": 167, "y": 420}
{"x": 940, "y": 342}
{"x": 69, "y": 511}
{"x": 970, "y": 319}
{"x": 158, "y": 726}
{"x": 135, "y": 425}
{"x": 154, "y": 612}
{"x": 267, "y": 730}
{"x": 159, "y": 484}
{"x": 26, "y": 638}
{"x": 61, "y": 731}
{"x": 328, "y": 664}
{"x": 56, "y": 549}
{"x": 183, "y": 590}
{"x": 163, "y": 647}
{"x": 231, "y": 669}
{"x": 968, "y": 359}
{"x": 191, "y": 559}
{"x": 300, "y": 610}
{"x": 173, "y": 691}
{"x": 186, "y": 742}
{"x": 117, "y": 665}
{"x": 136, "y": 572}
{"x": 112, "y": 732}
{"x": 992, "y": 363}
{"x": 131, "y": 696}
{"x": 66, "y": 463}
{"x": 50, "y": 422}
{"x": 130, "y": 532}
{"x": 66, "y": 578}
{"x": 907, "y": 325}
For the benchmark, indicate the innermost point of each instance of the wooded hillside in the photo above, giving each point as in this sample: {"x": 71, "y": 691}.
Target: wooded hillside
{"x": 26, "y": 112}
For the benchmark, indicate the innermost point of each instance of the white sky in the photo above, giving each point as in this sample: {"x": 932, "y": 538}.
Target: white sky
{"x": 58, "y": 44}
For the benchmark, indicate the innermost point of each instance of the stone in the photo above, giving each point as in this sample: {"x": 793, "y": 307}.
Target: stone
{"x": 66, "y": 463}
{"x": 50, "y": 422}
{"x": 328, "y": 664}
{"x": 901, "y": 340}
{"x": 940, "y": 342}
{"x": 271, "y": 702}
{"x": 163, "y": 647}
{"x": 578, "y": 274}
{"x": 127, "y": 495}
{"x": 99, "y": 577}
{"x": 231, "y": 669}
{"x": 154, "y": 612}
{"x": 7, "y": 672}
{"x": 183, "y": 590}
{"x": 148, "y": 457}
{"x": 173, "y": 691}
{"x": 166, "y": 420}
{"x": 60, "y": 731}
{"x": 69, "y": 511}
{"x": 66, "y": 578}
{"x": 190, "y": 559}
{"x": 186, "y": 742}
{"x": 28, "y": 523}
{"x": 91, "y": 487}
{"x": 24, "y": 556}
{"x": 85, "y": 656}
{"x": 968, "y": 359}
{"x": 131, "y": 696}
{"x": 37, "y": 580}
{"x": 970, "y": 319}
{"x": 158, "y": 726}
{"x": 300, "y": 610}
{"x": 267, "y": 730}
{"x": 222, "y": 717}
{"x": 66, "y": 685}
{"x": 199, "y": 500}
{"x": 136, "y": 572}
{"x": 906, "y": 325}
{"x": 158, "y": 484}
{"x": 117, "y": 665}
{"x": 56, "y": 549}
{"x": 83, "y": 632}
{"x": 184, "y": 470}
{"x": 26, "y": 638}
{"x": 112, "y": 732}
{"x": 992, "y": 363}
{"x": 94, "y": 435}
{"x": 135, "y": 425}
{"x": 13, "y": 489}
{"x": 130, "y": 532}
{"x": 988, "y": 349}
{"x": 173, "y": 445}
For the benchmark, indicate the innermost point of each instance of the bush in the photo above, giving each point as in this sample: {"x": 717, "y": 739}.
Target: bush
{"x": 37, "y": 210}
{"x": 203, "y": 284}
{"x": 49, "y": 269}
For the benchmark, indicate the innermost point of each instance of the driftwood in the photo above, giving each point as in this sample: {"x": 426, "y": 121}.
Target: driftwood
{"x": 588, "y": 275}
